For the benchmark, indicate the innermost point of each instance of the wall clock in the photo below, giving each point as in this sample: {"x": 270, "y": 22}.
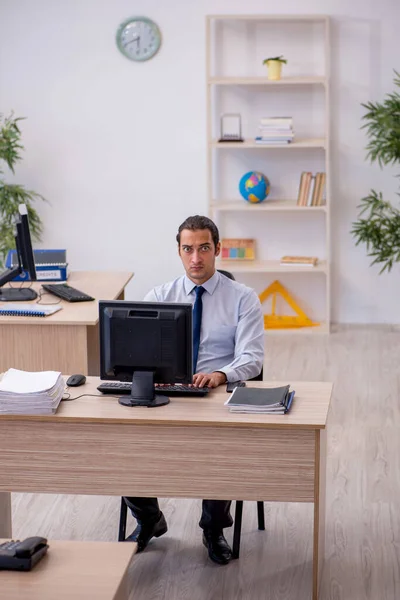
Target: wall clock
{"x": 138, "y": 38}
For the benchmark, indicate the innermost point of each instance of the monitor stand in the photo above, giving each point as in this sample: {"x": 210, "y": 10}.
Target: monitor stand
{"x": 142, "y": 393}
{"x": 17, "y": 294}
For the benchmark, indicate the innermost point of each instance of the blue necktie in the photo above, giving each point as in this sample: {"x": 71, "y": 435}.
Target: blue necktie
{"x": 197, "y": 312}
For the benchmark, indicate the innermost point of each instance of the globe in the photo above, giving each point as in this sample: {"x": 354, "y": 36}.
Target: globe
{"x": 254, "y": 187}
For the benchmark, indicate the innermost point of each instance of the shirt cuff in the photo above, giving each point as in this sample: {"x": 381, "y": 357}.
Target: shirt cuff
{"x": 230, "y": 374}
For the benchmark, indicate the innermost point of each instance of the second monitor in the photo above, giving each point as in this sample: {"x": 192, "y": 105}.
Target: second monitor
{"x": 145, "y": 343}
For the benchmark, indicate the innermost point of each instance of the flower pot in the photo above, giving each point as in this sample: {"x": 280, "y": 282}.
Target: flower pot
{"x": 274, "y": 69}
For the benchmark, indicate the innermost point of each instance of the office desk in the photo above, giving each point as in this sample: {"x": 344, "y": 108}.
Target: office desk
{"x": 96, "y": 446}
{"x": 68, "y": 340}
{"x": 78, "y": 570}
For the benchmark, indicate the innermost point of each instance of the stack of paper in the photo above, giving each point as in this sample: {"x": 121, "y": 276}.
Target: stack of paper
{"x": 275, "y": 401}
{"x": 26, "y": 393}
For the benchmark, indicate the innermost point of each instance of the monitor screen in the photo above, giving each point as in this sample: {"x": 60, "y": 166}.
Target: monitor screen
{"x": 145, "y": 342}
{"x": 23, "y": 245}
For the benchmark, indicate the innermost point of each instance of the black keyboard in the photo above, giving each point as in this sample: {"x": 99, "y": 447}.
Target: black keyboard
{"x": 66, "y": 292}
{"x": 120, "y": 387}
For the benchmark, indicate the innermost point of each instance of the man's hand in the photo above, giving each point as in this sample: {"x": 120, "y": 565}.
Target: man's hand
{"x": 211, "y": 380}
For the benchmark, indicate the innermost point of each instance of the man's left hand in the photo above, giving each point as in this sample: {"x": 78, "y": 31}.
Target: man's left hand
{"x": 211, "y": 380}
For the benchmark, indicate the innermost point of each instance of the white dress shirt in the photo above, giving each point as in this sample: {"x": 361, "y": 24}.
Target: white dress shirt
{"x": 232, "y": 325}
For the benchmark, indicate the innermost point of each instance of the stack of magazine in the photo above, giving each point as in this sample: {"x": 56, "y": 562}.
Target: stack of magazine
{"x": 273, "y": 401}
{"x": 30, "y": 393}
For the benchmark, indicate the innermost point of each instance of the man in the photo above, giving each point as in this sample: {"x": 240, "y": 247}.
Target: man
{"x": 228, "y": 345}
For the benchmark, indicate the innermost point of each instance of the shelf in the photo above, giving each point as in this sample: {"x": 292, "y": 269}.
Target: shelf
{"x": 268, "y": 266}
{"x": 317, "y": 330}
{"x": 250, "y": 143}
{"x": 314, "y": 18}
{"x": 264, "y": 81}
{"x": 237, "y": 82}
{"x": 266, "y": 205}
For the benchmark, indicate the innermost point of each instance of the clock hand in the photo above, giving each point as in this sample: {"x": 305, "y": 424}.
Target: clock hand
{"x": 136, "y": 39}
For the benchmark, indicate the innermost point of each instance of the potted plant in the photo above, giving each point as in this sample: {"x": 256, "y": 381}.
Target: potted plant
{"x": 379, "y": 229}
{"x": 274, "y": 66}
{"x": 12, "y": 195}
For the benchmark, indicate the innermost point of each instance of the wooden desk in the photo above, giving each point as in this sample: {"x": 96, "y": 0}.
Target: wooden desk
{"x": 191, "y": 448}
{"x": 78, "y": 570}
{"x": 67, "y": 341}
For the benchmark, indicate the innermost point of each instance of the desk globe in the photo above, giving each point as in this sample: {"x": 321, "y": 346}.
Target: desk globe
{"x": 254, "y": 187}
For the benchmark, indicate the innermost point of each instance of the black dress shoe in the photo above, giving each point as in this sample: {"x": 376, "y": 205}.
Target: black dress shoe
{"x": 217, "y": 546}
{"x": 146, "y": 530}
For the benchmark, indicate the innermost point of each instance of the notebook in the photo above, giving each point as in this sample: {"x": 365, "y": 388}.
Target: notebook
{"x": 28, "y": 310}
{"x": 261, "y": 400}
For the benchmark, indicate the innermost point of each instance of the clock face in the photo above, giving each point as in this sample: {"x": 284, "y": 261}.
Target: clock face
{"x": 138, "y": 38}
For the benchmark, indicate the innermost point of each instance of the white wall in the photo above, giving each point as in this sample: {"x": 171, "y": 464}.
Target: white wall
{"x": 119, "y": 149}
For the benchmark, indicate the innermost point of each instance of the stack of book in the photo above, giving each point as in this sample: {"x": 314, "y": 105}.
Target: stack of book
{"x": 274, "y": 401}
{"x": 275, "y": 130}
{"x": 311, "y": 189}
{"x": 26, "y": 393}
{"x": 301, "y": 261}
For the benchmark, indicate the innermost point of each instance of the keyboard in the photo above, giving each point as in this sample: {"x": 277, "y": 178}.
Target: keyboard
{"x": 121, "y": 387}
{"x": 66, "y": 292}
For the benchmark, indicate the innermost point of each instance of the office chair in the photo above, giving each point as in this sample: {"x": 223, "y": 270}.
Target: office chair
{"x": 237, "y": 527}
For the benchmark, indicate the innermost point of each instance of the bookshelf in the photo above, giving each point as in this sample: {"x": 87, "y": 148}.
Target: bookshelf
{"x": 237, "y": 83}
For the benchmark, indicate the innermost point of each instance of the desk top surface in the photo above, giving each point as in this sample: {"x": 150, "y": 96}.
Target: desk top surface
{"x": 309, "y": 410}
{"x": 78, "y": 570}
{"x": 102, "y": 285}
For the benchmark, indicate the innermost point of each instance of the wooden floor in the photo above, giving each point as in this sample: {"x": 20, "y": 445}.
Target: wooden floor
{"x": 363, "y": 495}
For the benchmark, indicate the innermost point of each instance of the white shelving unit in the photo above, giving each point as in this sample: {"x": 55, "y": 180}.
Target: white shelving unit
{"x": 237, "y": 83}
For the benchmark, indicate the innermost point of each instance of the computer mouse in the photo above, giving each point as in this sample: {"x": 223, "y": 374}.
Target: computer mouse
{"x": 76, "y": 380}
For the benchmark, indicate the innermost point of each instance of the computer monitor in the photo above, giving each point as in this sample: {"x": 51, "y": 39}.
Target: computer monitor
{"x": 146, "y": 343}
{"x": 23, "y": 245}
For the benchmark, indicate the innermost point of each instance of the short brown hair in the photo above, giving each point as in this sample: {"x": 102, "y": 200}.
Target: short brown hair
{"x": 198, "y": 222}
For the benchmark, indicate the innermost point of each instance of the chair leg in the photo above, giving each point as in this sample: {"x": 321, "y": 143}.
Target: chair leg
{"x": 260, "y": 512}
{"x": 122, "y": 521}
{"x": 237, "y": 528}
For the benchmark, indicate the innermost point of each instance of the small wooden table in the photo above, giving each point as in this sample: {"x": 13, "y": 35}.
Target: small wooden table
{"x": 68, "y": 340}
{"x": 73, "y": 570}
{"x": 191, "y": 448}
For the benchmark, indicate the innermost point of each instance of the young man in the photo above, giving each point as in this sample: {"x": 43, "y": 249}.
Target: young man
{"x": 228, "y": 345}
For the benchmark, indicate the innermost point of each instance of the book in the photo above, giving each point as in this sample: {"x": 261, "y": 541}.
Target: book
{"x": 307, "y": 261}
{"x": 261, "y": 400}
{"x": 321, "y": 189}
{"x": 301, "y": 184}
{"x": 20, "y": 309}
{"x": 307, "y": 187}
{"x": 314, "y": 196}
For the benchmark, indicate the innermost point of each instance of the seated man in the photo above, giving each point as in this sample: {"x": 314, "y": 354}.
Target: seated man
{"x": 228, "y": 345}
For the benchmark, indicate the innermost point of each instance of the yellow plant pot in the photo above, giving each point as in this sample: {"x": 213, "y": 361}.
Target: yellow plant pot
{"x": 274, "y": 69}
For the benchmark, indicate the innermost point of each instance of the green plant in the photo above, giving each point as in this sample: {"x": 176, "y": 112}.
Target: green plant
{"x": 278, "y": 58}
{"x": 11, "y": 195}
{"x": 379, "y": 228}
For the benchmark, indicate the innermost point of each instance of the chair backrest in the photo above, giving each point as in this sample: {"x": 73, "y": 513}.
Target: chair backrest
{"x": 227, "y": 274}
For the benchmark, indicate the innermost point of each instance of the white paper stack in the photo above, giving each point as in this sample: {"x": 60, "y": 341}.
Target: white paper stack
{"x": 27, "y": 393}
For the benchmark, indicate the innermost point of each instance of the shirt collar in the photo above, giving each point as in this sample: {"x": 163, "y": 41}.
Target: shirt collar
{"x": 208, "y": 285}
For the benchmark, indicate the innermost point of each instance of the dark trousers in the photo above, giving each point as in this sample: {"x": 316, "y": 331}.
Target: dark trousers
{"x": 215, "y": 513}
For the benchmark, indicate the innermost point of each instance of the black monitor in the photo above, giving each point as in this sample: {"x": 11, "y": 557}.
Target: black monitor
{"x": 23, "y": 245}
{"x": 146, "y": 343}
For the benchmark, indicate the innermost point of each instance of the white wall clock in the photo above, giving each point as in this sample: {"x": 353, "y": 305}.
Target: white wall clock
{"x": 138, "y": 38}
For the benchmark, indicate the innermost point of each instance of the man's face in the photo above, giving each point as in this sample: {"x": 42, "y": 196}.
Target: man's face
{"x": 198, "y": 254}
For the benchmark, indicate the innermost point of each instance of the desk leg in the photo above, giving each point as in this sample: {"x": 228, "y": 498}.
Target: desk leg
{"x": 319, "y": 510}
{"x": 5, "y": 515}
